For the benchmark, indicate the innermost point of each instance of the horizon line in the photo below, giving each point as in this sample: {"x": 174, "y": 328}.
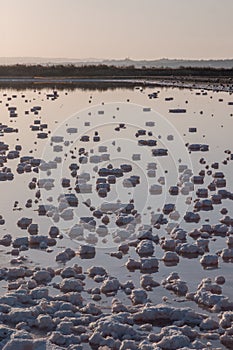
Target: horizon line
{"x": 116, "y": 59}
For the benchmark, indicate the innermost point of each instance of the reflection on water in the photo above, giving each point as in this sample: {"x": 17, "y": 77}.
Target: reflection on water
{"x": 209, "y": 113}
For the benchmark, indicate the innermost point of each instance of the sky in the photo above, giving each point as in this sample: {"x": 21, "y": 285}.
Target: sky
{"x": 105, "y": 29}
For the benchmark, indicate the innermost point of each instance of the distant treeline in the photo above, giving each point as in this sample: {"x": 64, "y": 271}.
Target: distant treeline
{"x": 85, "y": 86}
{"x": 105, "y": 71}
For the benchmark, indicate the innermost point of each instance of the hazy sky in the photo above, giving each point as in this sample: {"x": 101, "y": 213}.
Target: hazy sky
{"x": 117, "y": 28}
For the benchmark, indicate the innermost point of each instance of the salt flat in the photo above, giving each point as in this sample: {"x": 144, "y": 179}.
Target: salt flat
{"x": 111, "y": 205}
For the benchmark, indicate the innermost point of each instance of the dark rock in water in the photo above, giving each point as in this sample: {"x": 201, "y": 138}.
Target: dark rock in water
{"x": 36, "y": 241}
{"x": 23, "y": 223}
{"x": 71, "y": 285}
{"x": 124, "y": 220}
{"x": 159, "y": 152}
{"x": 54, "y": 232}
{"x": 66, "y": 255}
{"x": 168, "y": 208}
{"x": 145, "y": 248}
{"x": 86, "y": 251}
{"x": 209, "y": 260}
{"x": 6, "y": 240}
{"x": 110, "y": 286}
{"x": 20, "y": 241}
{"x": 177, "y": 110}
{"x": 192, "y": 217}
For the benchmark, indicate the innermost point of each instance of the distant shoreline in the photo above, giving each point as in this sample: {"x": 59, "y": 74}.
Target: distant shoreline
{"x": 226, "y": 63}
{"x": 125, "y": 75}
{"x": 201, "y": 82}
{"x": 106, "y": 71}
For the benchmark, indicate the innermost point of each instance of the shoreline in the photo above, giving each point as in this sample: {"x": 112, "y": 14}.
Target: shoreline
{"x": 210, "y": 84}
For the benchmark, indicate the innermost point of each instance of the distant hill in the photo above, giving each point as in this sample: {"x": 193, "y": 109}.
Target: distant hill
{"x": 173, "y": 63}
{"x": 46, "y": 61}
{"x": 159, "y": 63}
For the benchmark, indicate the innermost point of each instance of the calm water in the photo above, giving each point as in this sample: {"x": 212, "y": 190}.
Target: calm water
{"x": 102, "y": 111}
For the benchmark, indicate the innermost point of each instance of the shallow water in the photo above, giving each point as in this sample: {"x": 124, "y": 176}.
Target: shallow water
{"x": 213, "y": 120}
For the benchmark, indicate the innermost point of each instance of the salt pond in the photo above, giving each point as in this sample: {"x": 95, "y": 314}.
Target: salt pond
{"x": 105, "y": 195}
